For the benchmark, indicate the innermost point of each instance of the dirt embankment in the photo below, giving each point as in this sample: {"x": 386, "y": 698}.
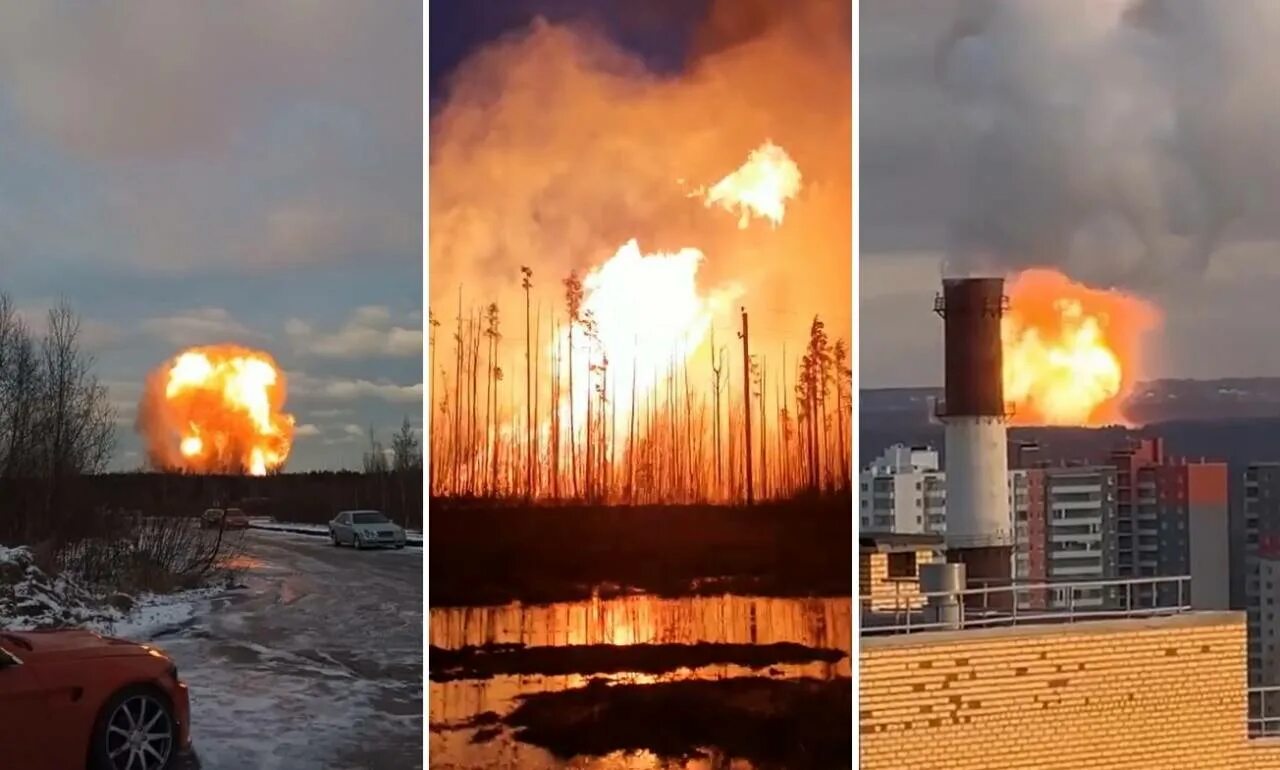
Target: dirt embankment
{"x": 795, "y": 724}
{"x": 491, "y": 553}
{"x": 515, "y": 659}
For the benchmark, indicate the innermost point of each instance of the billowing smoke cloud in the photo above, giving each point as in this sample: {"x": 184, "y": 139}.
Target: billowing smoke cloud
{"x": 556, "y": 146}
{"x": 1119, "y": 140}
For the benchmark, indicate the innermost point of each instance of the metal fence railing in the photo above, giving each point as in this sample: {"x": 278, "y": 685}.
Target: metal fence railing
{"x": 909, "y": 611}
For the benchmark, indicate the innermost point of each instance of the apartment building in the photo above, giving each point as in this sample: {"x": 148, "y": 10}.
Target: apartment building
{"x": 1172, "y": 518}
{"x": 1070, "y": 519}
{"x": 1257, "y": 555}
{"x": 903, "y": 492}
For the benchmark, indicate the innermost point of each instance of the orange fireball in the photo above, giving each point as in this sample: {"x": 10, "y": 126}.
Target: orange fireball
{"x": 1071, "y": 353}
{"x": 760, "y": 187}
{"x": 620, "y": 329}
{"x": 217, "y": 409}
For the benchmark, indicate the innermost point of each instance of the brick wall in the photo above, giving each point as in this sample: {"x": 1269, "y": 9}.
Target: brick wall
{"x": 1163, "y": 692}
{"x": 879, "y": 592}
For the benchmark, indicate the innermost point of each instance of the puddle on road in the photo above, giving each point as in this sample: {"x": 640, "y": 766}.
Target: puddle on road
{"x": 467, "y": 729}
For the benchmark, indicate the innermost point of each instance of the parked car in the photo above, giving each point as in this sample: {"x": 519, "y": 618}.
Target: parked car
{"x": 212, "y": 518}
{"x": 231, "y": 518}
{"x": 236, "y": 519}
{"x": 71, "y": 696}
{"x": 365, "y": 529}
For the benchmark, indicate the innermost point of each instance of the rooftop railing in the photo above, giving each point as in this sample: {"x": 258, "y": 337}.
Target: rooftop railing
{"x": 909, "y": 611}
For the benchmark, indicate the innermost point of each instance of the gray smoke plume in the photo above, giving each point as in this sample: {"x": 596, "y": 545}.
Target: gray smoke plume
{"x": 1119, "y": 140}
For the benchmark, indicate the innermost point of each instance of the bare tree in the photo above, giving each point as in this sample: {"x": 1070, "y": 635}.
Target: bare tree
{"x": 573, "y": 299}
{"x": 404, "y": 449}
{"x": 844, "y": 404}
{"x": 76, "y": 418}
{"x": 526, "y": 282}
{"x": 407, "y": 464}
{"x": 494, "y": 336}
{"x": 717, "y": 379}
{"x": 375, "y": 460}
{"x": 433, "y": 324}
{"x": 56, "y": 422}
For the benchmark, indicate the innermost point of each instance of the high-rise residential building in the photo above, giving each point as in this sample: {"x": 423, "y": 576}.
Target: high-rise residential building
{"x": 1172, "y": 519}
{"x": 1256, "y": 557}
{"x": 902, "y": 492}
{"x": 1143, "y": 514}
{"x": 1264, "y": 617}
{"x": 1079, "y": 506}
{"x": 1026, "y": 532}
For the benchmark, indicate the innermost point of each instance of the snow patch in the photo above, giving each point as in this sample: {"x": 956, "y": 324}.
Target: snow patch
{"x": 411, "y": 536}
{"x": 29, "y": 598}
{"x": 32, "y": 599}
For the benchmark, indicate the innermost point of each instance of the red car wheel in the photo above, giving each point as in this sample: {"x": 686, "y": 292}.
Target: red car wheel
{"x": 136, "y": 731}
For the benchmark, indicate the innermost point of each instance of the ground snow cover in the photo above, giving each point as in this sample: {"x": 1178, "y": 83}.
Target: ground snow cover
{"x": 270, "y": 525}
{"x": 32, "y": 599}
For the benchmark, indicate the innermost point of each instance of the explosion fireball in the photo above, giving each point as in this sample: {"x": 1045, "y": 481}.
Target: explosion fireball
{"x": 760, "y": 187}
{"x": 1071, "y": 353}
{"x": 641, "y": 315}
{"x": 216, "y": 409}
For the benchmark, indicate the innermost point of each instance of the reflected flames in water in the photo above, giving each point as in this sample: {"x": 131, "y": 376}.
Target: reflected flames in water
{"x": 649, "y": 620}
{"x": 822, "y": 623}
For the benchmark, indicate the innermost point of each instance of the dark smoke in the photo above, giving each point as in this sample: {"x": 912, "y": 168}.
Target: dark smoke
{"x": 1118, "y": 140}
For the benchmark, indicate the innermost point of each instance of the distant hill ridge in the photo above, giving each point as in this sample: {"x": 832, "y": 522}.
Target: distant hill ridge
{"x": 1232, "y": 419}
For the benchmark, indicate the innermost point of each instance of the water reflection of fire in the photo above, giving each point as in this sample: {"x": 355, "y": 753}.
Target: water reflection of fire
{"x": 632, "y": 620}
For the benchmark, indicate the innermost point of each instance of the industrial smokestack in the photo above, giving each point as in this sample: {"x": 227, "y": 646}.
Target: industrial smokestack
{"x": 979, "y": 524}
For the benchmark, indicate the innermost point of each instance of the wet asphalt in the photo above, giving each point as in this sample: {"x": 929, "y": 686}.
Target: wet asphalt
{"x": 315, "y": 663}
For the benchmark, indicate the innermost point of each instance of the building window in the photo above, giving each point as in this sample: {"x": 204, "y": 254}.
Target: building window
{"x": 902, "y": 564}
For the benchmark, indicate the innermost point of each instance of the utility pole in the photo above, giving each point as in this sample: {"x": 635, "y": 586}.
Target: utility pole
{"x": 746, "y": 400}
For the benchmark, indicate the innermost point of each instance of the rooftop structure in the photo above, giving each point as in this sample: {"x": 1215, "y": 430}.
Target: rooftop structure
{"x": 952, "y": 684}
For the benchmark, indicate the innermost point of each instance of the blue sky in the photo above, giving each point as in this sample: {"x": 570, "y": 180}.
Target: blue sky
{"x": 659, "y": 31}
{"x": 187, "y": 173}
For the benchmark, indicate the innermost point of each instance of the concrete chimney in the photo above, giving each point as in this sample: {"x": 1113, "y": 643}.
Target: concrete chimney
{"x": 979, "y": 524}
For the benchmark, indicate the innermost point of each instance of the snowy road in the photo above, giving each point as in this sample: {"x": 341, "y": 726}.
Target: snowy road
{"x": 316, "y": 664}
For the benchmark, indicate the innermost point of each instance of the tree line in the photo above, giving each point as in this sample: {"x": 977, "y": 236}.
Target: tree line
{"x": 497, "y": 427}
{"x": 56, "y": 421}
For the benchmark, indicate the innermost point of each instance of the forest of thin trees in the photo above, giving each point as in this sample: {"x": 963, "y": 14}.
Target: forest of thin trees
{"x": 497, "y": 423}
{"x": 56, "y": 422}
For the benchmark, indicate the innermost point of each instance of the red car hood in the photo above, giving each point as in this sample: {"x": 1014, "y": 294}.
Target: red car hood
{"x": 37, "y": 647}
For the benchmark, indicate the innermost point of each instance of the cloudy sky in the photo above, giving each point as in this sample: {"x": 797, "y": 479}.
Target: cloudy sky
{"x": 187, "y": 173}
{"x": 1192, "y": 76}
